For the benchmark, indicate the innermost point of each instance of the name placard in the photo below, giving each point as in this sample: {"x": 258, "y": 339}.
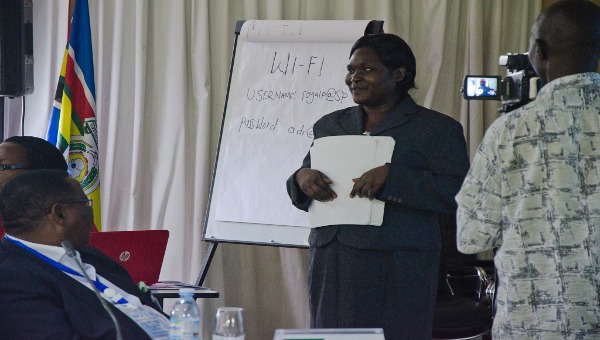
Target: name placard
{"x": 329, "y": 334}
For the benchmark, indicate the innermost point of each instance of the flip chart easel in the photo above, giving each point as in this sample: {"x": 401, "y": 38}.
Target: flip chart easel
{"x": 284, "y": 75}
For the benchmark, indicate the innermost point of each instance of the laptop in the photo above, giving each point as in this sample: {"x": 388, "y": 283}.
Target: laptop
{"x": 141, "y": 252}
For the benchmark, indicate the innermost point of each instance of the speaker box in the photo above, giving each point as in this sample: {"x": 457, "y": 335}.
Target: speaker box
{"x": 16, "y": 47}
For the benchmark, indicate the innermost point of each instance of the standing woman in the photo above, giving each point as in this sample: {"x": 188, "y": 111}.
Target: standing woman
{"x": 384, "y": 276}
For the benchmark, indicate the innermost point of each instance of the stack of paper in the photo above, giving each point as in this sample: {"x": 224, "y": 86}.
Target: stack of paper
{"x": 342, "y": 158}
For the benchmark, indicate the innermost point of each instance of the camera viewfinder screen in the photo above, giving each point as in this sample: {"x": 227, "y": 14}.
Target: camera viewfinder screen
{"x": 482, "y": 87}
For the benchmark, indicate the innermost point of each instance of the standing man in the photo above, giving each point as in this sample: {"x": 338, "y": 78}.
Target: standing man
{"x": 43, "y": 292}
{"x": 533, "y": 191}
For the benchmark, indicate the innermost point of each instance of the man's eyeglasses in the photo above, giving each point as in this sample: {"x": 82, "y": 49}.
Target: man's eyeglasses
{"x": 4, "y": 167}
{"x": 88, "y": 202}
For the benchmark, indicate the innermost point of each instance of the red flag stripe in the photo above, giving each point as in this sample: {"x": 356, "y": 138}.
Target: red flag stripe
{"x": 79, "y": 101}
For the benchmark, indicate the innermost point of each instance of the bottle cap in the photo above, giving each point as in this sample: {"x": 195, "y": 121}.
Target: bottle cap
{"x": 186, "y": 290}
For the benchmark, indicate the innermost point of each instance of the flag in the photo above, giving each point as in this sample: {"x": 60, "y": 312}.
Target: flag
{"x": 72, "y": 127}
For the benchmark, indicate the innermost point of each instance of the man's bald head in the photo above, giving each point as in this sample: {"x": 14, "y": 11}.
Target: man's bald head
{"x": 565, "y": 39}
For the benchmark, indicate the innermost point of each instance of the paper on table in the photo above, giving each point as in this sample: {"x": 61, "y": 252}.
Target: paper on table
{"x": 343, "y": 158}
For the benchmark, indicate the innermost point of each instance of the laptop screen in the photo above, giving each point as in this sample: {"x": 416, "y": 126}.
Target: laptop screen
{"x": 141, "y": 252}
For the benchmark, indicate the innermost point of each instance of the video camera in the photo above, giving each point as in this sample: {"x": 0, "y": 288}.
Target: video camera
{"x": 517, "y": 88}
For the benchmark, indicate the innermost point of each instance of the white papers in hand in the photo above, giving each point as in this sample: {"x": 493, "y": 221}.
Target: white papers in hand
{"x": 342, "y": 158}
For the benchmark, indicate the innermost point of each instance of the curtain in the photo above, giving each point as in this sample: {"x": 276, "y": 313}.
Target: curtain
{"x": 161, "y": 71}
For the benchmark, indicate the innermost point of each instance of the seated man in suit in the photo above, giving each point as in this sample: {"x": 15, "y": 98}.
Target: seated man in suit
{"x": 19, "y": 154}
{"x": 43, "y": 293}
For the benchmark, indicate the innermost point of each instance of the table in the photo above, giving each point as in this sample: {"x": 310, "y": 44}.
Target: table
{"x": 165, "y": 293}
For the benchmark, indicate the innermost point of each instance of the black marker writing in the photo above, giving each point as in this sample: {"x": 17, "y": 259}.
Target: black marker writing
{"x": 262, "y": 95}
{"x": 311, "y": 66}
{"x": 301, "y": 131}
{"x": 258, "y": 124}
{"x": 331, "y": 95}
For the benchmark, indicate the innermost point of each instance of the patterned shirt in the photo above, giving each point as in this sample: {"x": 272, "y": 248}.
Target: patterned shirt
{"x": 533, "y": 192}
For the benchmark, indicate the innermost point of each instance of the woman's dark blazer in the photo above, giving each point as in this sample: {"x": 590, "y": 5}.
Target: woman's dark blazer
{"x": 427, "y": 169}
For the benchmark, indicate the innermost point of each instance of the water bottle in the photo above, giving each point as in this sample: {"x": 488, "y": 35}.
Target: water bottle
{"x": 185, "y": 317}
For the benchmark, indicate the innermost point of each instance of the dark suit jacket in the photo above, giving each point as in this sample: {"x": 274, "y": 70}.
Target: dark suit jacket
{"x": 428, "y": 166}
{"x": 38, "y": 301}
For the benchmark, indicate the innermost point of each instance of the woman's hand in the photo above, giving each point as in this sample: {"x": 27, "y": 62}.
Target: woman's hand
{"x": 315, "y": 184}
{"x": 370, "y": 182}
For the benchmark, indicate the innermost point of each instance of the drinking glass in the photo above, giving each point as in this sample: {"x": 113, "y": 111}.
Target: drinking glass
{"x": 229, "y": 324}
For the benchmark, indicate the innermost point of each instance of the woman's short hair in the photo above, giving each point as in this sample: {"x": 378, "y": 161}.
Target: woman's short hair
{"x": 394, "y": 53}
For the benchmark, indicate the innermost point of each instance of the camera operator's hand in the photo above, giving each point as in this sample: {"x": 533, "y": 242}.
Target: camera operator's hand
{"x": 315, "y": 184}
